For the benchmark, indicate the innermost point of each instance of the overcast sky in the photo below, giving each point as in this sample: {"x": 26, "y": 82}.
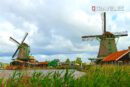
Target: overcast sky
{"x": 55, "y": 27}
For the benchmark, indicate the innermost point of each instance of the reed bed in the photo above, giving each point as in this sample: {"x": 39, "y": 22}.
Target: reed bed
{"x": 96, "y": 76}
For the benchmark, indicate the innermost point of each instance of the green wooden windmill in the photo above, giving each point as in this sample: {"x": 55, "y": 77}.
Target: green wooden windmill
{"x": 23, "y": 50}
{"x": 107, "y": 40}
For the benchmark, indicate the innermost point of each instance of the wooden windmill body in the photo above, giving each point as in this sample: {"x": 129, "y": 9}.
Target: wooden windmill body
{"x": 107, "y": 41}
{"x": 24, "y": 51}
{"x": 107, "y": 45}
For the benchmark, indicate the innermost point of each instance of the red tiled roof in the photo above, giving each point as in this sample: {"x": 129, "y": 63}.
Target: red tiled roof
{"x": 43, "y": 63}
{"x": 115, "y": 56}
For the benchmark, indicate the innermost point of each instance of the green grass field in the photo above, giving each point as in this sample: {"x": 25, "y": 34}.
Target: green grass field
{"x": 96, "y": 76}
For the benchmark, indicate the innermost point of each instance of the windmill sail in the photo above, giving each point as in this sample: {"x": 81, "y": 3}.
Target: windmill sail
{"x": 15, "y": 52}
{"x": 12, "y": 39}
{"x": 103, "y": 16}
{"x": 24, "y": 37}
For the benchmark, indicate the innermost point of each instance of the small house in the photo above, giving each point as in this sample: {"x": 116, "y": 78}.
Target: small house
{"x": 122, "y": 57}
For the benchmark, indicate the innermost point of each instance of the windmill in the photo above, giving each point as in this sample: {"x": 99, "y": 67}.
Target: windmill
{"x": 23, "y": 52}
{"x": 107, "y": 40}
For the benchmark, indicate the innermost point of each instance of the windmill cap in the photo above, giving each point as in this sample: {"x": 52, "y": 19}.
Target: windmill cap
{"x": 24, "y": 44}
{"x": 108, "y": 34}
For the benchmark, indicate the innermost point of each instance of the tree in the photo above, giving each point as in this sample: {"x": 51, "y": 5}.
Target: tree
{"x": 53, "y": 63}
{"x": 78, "y": 60}
{"x": 67, "y": 61}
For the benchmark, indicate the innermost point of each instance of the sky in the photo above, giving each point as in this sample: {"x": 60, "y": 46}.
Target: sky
{"x": 55, "y": 27}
